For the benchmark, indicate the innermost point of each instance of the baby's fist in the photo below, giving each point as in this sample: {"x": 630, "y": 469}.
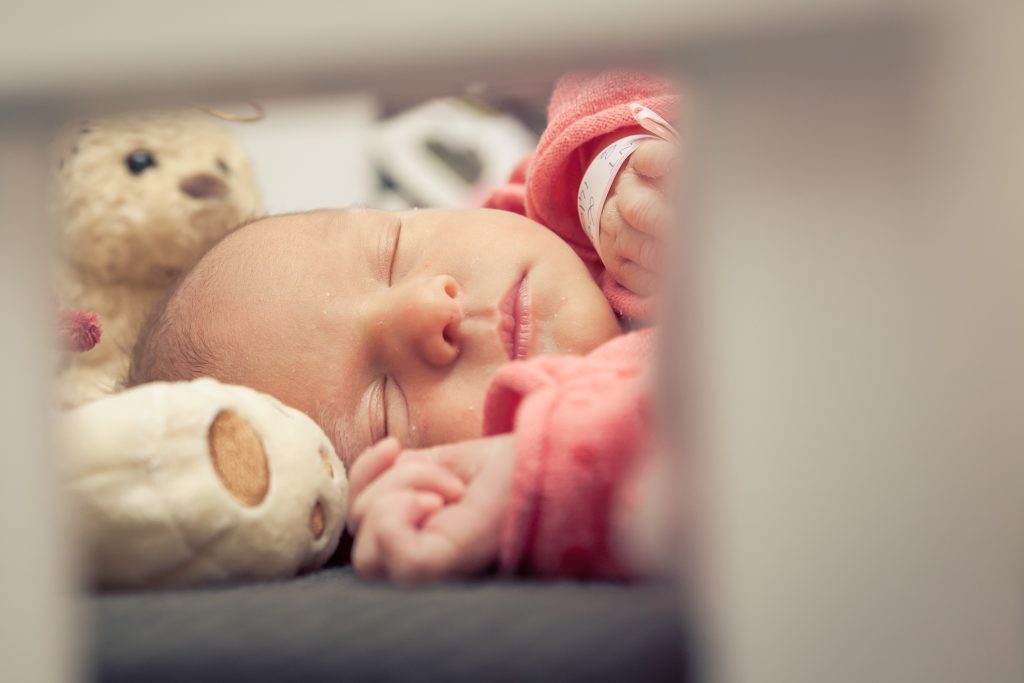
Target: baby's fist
{"x": 634, "y": 216}
{"x": 433, "y": 513}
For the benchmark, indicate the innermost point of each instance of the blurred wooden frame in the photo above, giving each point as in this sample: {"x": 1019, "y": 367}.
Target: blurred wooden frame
{"x": 258, "y": 113}
{"x": 105, "y": 58}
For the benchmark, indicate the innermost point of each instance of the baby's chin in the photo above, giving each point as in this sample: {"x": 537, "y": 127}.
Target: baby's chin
{"x": 578, "y": 342}
{"x": 583, "y": 321}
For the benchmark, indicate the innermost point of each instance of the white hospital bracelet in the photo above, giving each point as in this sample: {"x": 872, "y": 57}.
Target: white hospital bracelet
{"x": 598, "y": 179}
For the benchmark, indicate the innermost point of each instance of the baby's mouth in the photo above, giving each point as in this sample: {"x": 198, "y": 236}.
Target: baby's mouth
{"x": 516, "y": 325}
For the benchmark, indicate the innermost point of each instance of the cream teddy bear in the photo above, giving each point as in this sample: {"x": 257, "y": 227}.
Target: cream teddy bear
{"x": 194, "y": 482}
{"x": 173, "y": 483}
{"x": 140, "y": 198}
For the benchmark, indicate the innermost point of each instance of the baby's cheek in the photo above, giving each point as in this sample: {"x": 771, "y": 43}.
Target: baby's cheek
{"x": 445, "y": 419}
{"x": 411, "y": 308}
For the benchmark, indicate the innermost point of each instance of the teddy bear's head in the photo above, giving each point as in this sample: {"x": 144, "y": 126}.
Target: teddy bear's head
{"x": 142, "y": 196}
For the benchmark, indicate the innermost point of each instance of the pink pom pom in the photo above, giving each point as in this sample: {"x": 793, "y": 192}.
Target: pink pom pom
{"x": 79, "y": 330}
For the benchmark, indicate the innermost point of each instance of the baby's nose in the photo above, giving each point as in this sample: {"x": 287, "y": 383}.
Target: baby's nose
{"x": 439, "y": 315}
{"x": 204, "y": 186}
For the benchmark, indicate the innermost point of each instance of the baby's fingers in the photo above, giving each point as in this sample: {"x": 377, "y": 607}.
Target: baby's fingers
{"x": 642, "y": 207}
{"x": 634, "y": 277}
{"x": 406, "y": 476}
{"x": 633, "y": 245}
{"x": 393, "y": 519}
{"x": 411, "y": 553}
{"x": 371, "y": 463}
{"x": 653, "y": 158}
{"x": 461, "y": 458}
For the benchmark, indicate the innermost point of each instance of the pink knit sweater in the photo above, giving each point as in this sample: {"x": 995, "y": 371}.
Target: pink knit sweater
{"x": 584, "y": 109}
{"x": 582, "y": 424}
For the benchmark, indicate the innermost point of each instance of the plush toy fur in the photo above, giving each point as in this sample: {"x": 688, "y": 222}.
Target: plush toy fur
{"x": 140, "y": 198}
{"x": 185, "y": 483}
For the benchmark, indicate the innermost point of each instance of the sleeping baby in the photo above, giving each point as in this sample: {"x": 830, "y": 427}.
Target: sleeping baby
{"x": 469, "y": 365}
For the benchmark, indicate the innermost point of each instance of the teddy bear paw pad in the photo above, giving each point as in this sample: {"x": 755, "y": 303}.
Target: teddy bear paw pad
{"x": 239, "y": 458}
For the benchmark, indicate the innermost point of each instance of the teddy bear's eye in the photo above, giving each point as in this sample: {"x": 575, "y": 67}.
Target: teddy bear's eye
{"x": 139, "y": 160}
{"x": 224, "y": 168}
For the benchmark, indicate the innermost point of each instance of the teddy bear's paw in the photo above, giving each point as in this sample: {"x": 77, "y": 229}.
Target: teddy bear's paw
{"x": 317, "y": 523}
{"x": 191, "y": 482}
{"x": 238, "y": 458}
{"x": 241, "y": 464}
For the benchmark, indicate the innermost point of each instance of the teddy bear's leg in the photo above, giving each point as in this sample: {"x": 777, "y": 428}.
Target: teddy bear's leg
{"x": 238, "y": 458}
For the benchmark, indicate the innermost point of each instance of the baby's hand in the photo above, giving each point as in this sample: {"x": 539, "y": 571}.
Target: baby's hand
{"x": 428, "y": 514}
{"x": 634, "y": 217}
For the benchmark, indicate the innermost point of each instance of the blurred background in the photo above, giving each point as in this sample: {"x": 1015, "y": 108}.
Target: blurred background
{"x": 360, "y": 149}
{"x": 844, "y": 343}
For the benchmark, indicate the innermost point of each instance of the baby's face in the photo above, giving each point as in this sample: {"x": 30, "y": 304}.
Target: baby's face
{"x": 377, "y": 323}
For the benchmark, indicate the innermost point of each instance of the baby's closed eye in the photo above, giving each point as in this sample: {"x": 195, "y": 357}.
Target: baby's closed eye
{"x": 387, "y": 252}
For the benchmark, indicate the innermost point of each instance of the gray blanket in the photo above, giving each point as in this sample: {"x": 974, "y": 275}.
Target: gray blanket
{"x": 333, "y": 626}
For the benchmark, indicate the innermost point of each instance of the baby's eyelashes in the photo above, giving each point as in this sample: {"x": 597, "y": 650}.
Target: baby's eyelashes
{"x": 377, "y": 411}
{"x": 394, "y": 253}
{"x": 386, "y": 430}
{"x": 396, "y": 413}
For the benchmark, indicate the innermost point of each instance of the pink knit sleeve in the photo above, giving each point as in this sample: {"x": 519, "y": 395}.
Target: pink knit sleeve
{"x": 512, "y": 195}
{"x": 581, "y": 424}
{"x": 585, "y": 107}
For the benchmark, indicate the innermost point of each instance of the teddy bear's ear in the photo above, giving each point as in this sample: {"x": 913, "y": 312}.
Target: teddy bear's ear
{"x": 65, "y": 142}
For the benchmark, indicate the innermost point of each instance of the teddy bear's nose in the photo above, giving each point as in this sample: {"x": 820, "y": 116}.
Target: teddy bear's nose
{"x": 204, "y": 186}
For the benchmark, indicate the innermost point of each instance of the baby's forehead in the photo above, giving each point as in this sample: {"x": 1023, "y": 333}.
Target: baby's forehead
{"x": 277, "y": 269}
{"x": 266, "y": 244}
{"x": 350, "y": 218}
{"x": 273, "y": 267}
{"x": 284, "y": 224}
{"x": 304, "y": 234}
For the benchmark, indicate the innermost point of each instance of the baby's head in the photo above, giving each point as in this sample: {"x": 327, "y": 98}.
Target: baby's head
{"x": 377, "y": 323}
